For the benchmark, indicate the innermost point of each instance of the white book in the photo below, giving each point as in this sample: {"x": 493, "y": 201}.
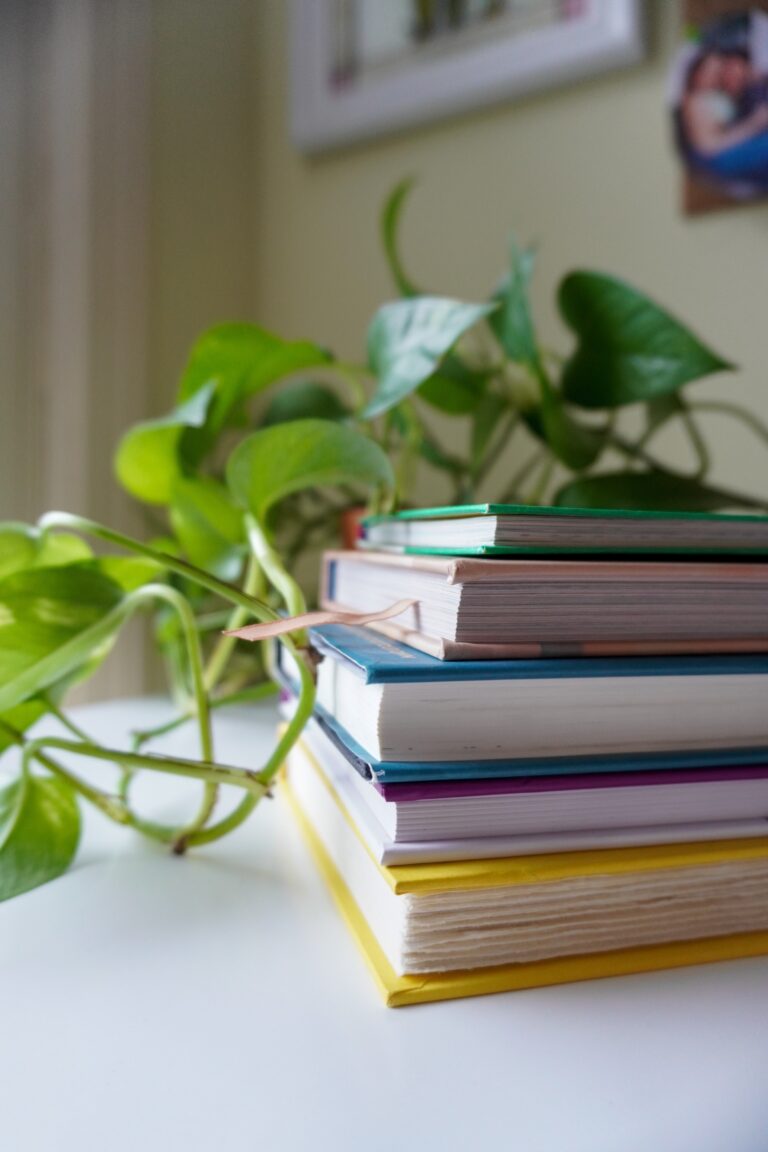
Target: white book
{"x": 479, "y": 914}
{"x": 466, "y": 827}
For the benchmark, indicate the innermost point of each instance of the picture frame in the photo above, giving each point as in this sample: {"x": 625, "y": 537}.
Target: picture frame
{"x": 718, "y": 104}
{"x": 448, "y": 72}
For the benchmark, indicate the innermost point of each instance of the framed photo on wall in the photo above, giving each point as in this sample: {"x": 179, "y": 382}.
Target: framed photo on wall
{"x": 718, "y": 96}
{"x": 362, "y": 68}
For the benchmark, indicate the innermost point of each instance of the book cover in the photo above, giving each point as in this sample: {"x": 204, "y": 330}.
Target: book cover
{"x": 457, "y": 510}
{"x": 429, "y": 772}
{"x": 615, "y": 532}
{"x": 400, "y": 991}
{"x": 380, "y": 660}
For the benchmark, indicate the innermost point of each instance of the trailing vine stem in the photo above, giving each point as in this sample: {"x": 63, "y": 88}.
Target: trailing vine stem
{"x": 180, "y": 605}
{"x": 143, "y": 736}
{"x": 228, "y": 592}
{"x": 256, "y": 784}
{"x": 114, "y": 806}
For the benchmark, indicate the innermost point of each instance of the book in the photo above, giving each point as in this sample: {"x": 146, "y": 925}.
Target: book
{"x": 509, "y": 529}
{"x": 415, "y": 772}
{"x": 410, "y": 824}
{"x": 500, "y": 609}
{"x": 400, "y": 705}
{"x": 438, "y": 931}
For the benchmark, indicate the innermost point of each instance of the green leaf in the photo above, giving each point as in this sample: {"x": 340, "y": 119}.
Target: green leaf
{"x": 239, "y": 360}
{"x": 148, "y": 459}
{"x": 19, "y": 719}
{"x": 407, "y": 341}
{"x": 575, "y": 444}
{"x": 434, "y": 454}
{"x": 209, "y": 526}
{"x": 662, "y": 409}
{"x": 629, "y": 348}
{"x": 455, "y": 388}
{"x": 489, "y": 411}
{"x": 646, "y": 491}
{"x": 53, "y": 622}
{"x": 390, "y": 223}
{"x": 512, "y": 324}
{"x": 22, "y": 546}
{"x": 39, "y": 833}
{"x": 304, "y": 400}
{"x": 286, "y": 458}
{"x": 129, "y": 572}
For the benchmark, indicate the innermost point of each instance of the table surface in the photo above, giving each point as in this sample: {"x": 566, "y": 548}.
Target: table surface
{"x": 217, "y": 1001}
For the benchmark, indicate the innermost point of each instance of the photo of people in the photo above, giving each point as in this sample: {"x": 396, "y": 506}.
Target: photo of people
{"x": 719, "y": 98}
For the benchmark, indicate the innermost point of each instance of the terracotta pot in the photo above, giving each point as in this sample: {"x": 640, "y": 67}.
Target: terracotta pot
{"x": 351, "y": 530}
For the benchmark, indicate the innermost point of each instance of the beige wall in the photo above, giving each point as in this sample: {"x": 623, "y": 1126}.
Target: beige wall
{"x": 202, "y": 161}
{"x": 587, "y": 171}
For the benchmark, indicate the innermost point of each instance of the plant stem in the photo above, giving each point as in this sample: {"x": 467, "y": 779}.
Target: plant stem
{"x": 273, "y": 568}
{"x": 65, "y": 720}
{"x": 258, "y": 692}
{"x": 353, "y": 375}
{"x": 304, "y": 706}
{"x": 757, "y": 426}
{"x": 186, "y": 616}
{"x": 228, "y": 592}
{"x": 173, "y": 765}
{"x": 101, "y": 800}
{"x": 737, "y": 499}
{"x": 492, "y": 455}
{"x": 545, "y": 476}
{"x": 698, "y": 444}
{"x": 511, "y": 491}
{"x": 225, "y": 645}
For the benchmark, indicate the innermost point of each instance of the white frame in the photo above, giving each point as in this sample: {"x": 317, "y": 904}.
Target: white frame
{"x": 435, "y": 87}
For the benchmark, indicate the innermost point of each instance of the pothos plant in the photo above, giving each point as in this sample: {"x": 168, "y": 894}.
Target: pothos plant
{"x": 237, "y": 488}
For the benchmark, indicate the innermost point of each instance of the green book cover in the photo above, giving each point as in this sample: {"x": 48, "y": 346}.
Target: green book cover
{"x": 741, "y": 534}
{"x": 459, "y": 510}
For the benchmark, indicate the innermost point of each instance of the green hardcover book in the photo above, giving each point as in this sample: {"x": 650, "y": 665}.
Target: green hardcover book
{"x": 522, "y": 529}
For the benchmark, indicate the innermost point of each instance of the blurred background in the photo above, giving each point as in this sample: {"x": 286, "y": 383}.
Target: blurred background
{"x": 150, "y": 186}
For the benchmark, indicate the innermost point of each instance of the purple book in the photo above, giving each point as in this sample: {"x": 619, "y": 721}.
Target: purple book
{"x": 447, "y": 789}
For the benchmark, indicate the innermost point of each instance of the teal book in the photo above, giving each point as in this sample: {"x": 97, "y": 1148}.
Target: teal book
{"x": 399, "y": 715}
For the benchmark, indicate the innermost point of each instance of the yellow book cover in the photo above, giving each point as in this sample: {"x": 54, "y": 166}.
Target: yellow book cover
{"x": 402, "y": 990}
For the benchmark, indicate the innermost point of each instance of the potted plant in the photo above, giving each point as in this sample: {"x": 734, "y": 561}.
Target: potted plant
{"x": 271, "y": 443}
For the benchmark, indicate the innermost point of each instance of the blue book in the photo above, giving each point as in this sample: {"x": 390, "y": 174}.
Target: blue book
{"x": 401, "y": 715}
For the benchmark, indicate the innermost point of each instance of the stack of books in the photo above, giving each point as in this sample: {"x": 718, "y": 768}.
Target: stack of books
{"x": 553, "y": 765}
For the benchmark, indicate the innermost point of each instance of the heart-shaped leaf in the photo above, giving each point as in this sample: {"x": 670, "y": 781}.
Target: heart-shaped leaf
{"x": 407, "y": 341}
{"x": 662, "y": 409}
{"x": 286, "y": 458}
{"x": 239, "y": 360}
{"x": 148, "y": 459}
{"x": 511, "y": 323}
{"x": 576, "y": 445}
{"x": 128, "y": 572}
{"x": 18, "y": 720}
{"x": 209, "y": 526}
{"x": 455, "y": 388}
{"x": 487, "y": 415}
{"x": 434, "y": 454}
{"x": 390, "y": 224}
{"x": 22, "y": 546}
{"x": 53, "y": 621}
{"x": 629, "y": 348}
{"x": 39, "y": 833}
{"x": 304, "y": 400}
{"x": 647, "y": 491}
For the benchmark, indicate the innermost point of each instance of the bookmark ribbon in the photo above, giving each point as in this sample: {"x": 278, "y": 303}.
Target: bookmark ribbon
{"x": 314, "y": 619}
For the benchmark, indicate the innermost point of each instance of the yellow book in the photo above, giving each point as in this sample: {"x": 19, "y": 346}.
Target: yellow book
{"x": 674, "y": 905}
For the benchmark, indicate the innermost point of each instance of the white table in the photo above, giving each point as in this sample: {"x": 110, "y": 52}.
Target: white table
{"x": 218, "y": 1002}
